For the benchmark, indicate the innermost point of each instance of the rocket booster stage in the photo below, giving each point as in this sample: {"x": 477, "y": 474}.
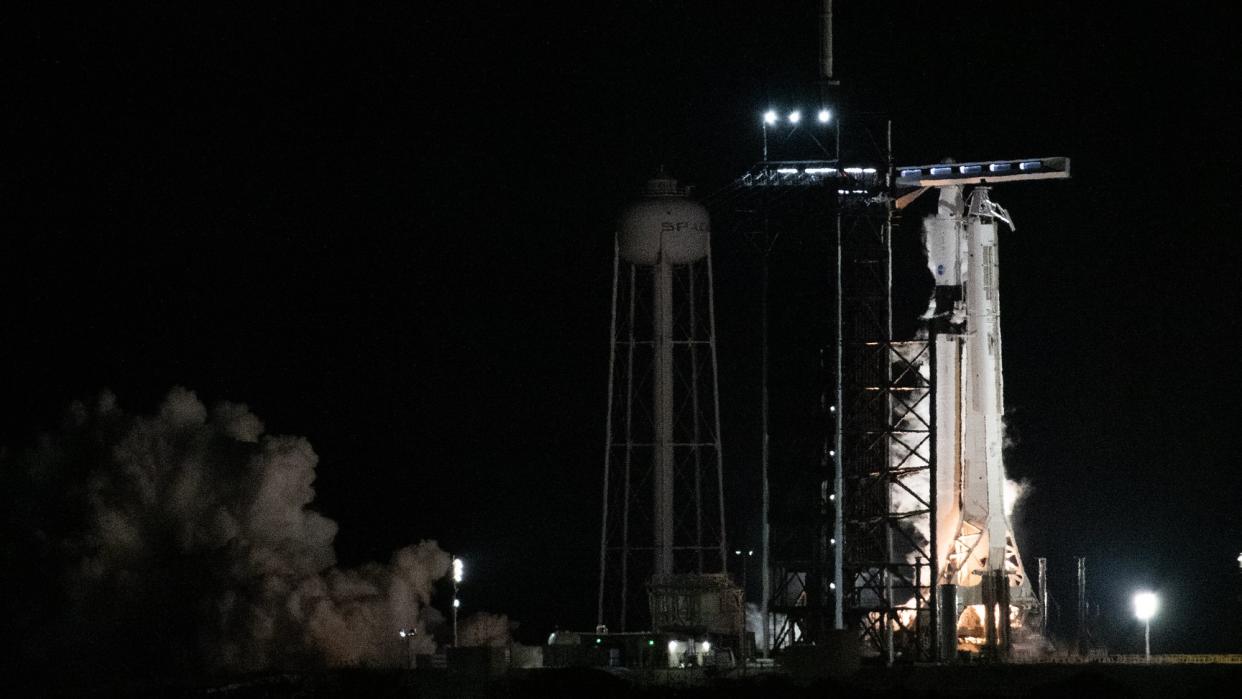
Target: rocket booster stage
{"x": 973, "y": 530}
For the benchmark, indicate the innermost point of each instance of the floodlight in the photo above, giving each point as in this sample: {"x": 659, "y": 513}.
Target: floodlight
{"x": 769, "y": 117}
{"x": 795, "y": 116}
{"x": 1145, "y": 605}
{"x": 825, "y": 116}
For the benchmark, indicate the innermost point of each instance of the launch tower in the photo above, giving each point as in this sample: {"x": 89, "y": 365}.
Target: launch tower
{"x": 903, "y": 535}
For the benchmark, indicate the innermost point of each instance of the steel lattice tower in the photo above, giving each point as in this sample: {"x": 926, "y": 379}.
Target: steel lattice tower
{"x": 884, "y": 435}
{"x": 844, "y": 549}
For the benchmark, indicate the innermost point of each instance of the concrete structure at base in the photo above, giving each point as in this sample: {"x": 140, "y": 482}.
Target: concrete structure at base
{"x": 697, "y": 604}
{"x": 642, "y": 650}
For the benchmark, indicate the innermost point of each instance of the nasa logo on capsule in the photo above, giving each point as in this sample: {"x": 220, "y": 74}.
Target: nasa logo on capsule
{"x": 940, "y": 270}
{"x": 671, "y": 226}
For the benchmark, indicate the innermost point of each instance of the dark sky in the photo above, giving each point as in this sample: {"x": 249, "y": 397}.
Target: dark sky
{"x": 389, "y": 230}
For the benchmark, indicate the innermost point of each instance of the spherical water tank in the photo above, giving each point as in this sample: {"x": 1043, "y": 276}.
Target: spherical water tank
{"x": 664, "y": 224}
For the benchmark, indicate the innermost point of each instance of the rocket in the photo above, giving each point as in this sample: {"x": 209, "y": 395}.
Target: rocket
{"x": 974, "y": 534}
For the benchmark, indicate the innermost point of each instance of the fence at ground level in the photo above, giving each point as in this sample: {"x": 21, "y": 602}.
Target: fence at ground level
{"x": 1138, "y": 659}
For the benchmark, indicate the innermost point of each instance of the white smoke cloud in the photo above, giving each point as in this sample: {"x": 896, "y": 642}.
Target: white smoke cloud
{"x": 755, "y": 624}
{"x": 1015, "y": 491}
{"x": 187, "y": 538}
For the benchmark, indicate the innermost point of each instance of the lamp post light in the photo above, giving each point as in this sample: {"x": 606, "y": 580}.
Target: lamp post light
{"x": 408, "y": 635}
{"x": 744, "y": 555}
{"x": 769, "y": 119}
{"x": 741, "y": 634}
{"x": 1145, "y": 606}
{"x": 459, "y": 570}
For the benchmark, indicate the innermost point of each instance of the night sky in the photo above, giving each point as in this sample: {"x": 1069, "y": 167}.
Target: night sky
{"x": 389, "y": 231}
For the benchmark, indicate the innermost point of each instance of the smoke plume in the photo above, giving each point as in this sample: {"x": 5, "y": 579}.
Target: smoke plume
{"x": 185, "y": 541}
{"x": 1015, "y": 493}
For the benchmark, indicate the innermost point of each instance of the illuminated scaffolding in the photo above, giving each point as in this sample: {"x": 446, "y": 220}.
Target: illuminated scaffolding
{"x": 884, "y": 439}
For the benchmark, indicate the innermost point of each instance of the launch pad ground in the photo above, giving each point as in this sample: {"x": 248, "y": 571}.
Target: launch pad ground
{"x": 1166, "y": 681}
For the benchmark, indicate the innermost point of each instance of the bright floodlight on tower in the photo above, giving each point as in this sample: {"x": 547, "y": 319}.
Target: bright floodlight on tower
{"x": 769, "y": 117}
{"x": 825, "y": 116}
{"x": 795, "y": 116}
{"x": 459, "y": 570}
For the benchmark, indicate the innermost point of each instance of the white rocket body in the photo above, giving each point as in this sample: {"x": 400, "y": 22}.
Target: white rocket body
{"x": 973, "y": 530}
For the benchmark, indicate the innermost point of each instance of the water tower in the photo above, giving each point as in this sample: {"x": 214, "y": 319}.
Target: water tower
{"x": 662, "y": 547}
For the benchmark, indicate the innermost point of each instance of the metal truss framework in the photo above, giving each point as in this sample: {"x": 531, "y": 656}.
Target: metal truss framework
{"x": 885, "y": 446}
{"x": 786, "y": 209}
{"x": 873, "y": 570}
